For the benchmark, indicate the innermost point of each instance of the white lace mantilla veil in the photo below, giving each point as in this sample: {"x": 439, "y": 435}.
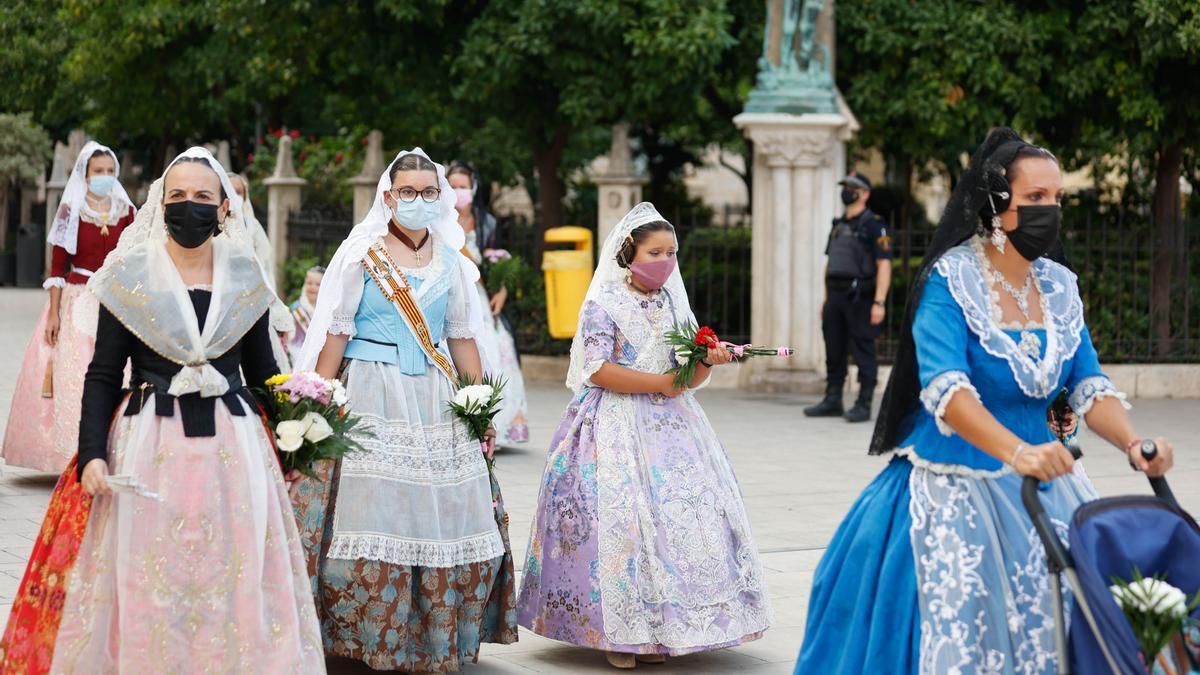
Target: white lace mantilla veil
{"x": 345, "y": 270}
{"x": 609, "y": 272}
{"x": 140, "y": 285}
{"x": 64, "y": 231}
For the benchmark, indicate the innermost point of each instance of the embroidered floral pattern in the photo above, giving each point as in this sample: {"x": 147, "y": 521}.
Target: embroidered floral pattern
{"x": 940, "y": 391}
{"x": 1092, "y": 389}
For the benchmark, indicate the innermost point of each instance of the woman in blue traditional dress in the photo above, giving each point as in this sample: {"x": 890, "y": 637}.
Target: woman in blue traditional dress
{"x": 937, "y": 568}
{"x": 406, "y": 540}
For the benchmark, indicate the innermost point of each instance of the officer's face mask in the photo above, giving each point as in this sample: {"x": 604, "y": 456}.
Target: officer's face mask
{"x": 1037, "y": 230}
{"x": 849, "y": 197}
{"x": 652, "y": 275}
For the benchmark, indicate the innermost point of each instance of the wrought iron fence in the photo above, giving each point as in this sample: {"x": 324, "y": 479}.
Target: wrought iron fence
{"x": 1113, "y": 258}
{"x": 317, "y": 232}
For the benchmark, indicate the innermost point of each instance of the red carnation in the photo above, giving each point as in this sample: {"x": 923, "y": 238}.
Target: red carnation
{"x": 250, "y": 158}
{"x": 705, "y": 337}
{"x": 295, "y": 133}
{"x": 279, "y": 133}
{"x": 337, "y": 159}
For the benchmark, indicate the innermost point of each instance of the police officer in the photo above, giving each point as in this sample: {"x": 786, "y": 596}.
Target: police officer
{"x": 857, "y": 277}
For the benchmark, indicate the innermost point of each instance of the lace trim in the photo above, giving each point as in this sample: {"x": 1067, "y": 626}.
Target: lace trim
{"x": 340, "y": 324}
{"x": 1092, "y": 389}
{"x": 458, "y": 330}
{"x": 401, "y": 551}
{"x": 54, "y": 282}
{"x": 937, "y": 396}
{"x": 910, "y": 453}
{"x": 441, "y": 454}
{"x": 1062, "y": 310}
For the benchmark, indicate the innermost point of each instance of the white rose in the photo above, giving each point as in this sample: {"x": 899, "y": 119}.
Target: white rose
{"x": 318, "y": 428}
{"x": 473, "y": 396}
{"x": 290, "y": 434}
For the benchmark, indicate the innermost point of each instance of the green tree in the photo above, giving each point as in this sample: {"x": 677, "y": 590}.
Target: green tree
{"x": 544, "y": 72}
{"x": 1131, "y": 85}
{"x": 24, "y": 150}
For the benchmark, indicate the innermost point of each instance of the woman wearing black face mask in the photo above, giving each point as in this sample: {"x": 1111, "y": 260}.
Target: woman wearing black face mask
{"x": 190, "y": 557}
{"x": 936, "y": 567}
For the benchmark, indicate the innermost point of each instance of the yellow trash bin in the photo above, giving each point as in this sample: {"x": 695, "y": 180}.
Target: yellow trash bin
{"x": 568, "y": 273}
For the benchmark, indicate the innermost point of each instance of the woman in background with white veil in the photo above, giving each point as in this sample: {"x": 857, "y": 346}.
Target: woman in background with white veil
{"x": 43, "y": 424}
{"x": 640, "y": 545}
{"x": 408, "y": 552}
{"x": 281, "y": 316}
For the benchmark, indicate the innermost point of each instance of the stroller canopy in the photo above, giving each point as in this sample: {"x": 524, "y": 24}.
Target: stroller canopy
{"x": 1109, "y": 537}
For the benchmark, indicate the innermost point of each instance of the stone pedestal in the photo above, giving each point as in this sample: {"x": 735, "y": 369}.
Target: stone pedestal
{"x": 366, "y": 181}
{"x": 798, "y": 160}
{"x": 284, "y": 192}
{"x": 619, "y": 187}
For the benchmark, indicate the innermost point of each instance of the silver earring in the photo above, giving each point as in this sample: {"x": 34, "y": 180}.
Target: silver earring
{"x": 998, "y": 236}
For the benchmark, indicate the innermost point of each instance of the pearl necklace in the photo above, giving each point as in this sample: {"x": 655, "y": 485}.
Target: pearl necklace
{"x": 1030, "y": 344}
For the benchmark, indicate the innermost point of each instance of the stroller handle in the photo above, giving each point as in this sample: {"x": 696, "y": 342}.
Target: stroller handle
{"x": 1149, "y": 451}
{"x": 1057, "y": 556}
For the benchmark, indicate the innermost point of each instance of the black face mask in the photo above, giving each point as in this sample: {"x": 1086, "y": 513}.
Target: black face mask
{"x": 849, "y": 197}
{"x": 190, "y": 223}
{"x": 1037, "y": 230}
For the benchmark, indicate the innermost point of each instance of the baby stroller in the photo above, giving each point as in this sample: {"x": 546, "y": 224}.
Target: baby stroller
{"x": 1108, "y": 538}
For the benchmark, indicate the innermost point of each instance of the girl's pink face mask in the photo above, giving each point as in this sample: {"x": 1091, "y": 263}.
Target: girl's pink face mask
{"x": 652, "y": 275}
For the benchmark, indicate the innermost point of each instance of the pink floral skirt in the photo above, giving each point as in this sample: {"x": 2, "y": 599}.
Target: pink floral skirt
{"x": 43, "y": 424}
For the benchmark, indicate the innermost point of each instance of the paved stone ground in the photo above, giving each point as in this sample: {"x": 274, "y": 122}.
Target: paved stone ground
{"x": 798, "y": 476}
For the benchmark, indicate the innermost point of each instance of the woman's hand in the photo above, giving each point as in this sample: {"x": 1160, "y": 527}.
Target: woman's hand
{"x": 1163, "y": 461}
{"x": 498, "y": 301}
{"x": 719, "y": 356}
{"x": 1044, "y": 462}
{"x": 1065, "y": 425}
{"x": 94, "y": 474}
{"x": 489, "y": 441}
{"x": 668, "y": 387}
{"x": 292, "y": 480}
{"x": 52, "y": 326}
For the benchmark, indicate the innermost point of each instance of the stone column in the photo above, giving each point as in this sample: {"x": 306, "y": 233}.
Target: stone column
{"x": 284, "y": 191}
{"x": 365, "y": 182}
{"x": 619, "y": 187}
{"x": 222, "y": 155}
{"x": 798, "y": 160}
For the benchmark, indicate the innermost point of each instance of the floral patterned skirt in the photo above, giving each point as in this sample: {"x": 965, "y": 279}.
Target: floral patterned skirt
{"x": 640, "y": 542}
{"x": 402, "y": 617}
{"x": 28, "y": 643}
{"x": 43, "y": 424}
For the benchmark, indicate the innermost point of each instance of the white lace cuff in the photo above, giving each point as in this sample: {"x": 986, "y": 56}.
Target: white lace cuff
{"x": 1092, "y": 389}
{"x": 54, "y": 282}
{"x": 940, "y": 391}
{"x": 342, "y": 325}
{"x": 590, "y": 368}
{"x": 458, "y": 330}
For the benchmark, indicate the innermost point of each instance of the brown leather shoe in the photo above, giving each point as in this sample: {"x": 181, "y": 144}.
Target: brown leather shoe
{"x": 621, "y": 660}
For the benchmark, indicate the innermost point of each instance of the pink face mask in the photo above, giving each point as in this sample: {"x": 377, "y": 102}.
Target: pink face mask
{"x": 462, "y": 198}
{"x": 652, "y": 275}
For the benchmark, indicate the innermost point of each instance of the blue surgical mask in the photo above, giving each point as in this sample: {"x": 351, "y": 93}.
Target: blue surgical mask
{"x": 417, "y": 214}
{"x": 101, "y": 185}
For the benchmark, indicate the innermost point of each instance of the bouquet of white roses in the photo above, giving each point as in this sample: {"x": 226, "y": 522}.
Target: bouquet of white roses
{"x": 307, "y": 414}
{"x": 476, "y": 405}
{"x": 1155, "y": 609}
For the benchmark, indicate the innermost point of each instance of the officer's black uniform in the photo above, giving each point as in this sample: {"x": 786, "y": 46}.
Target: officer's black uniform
{"x": 855, "y": 244}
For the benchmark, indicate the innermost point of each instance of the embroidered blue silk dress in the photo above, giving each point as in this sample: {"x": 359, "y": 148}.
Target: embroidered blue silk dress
{"x": 937, "y": 568}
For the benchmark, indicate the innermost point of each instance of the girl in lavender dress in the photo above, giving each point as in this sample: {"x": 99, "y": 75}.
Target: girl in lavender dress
{"x": 640, "y": 545}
